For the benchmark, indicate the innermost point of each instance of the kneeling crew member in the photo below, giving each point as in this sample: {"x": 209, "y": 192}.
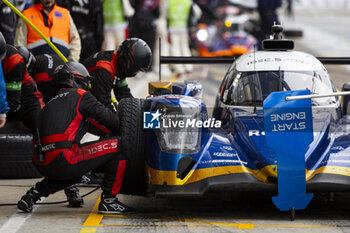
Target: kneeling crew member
{"x": 63, "y": 160}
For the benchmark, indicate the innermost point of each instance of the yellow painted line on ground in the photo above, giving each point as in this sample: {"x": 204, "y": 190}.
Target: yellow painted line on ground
{"x": 222, "y": 224}
{"x": 94, "y": 220}
{"x": 251, "y": 225}
{"x": 296, "y": 226}
{"x": 238, "y": 225}
{"x": 88, "y": 230}
{"x": 191, "y": 222}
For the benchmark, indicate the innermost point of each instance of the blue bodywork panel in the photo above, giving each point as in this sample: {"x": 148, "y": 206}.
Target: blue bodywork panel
{"x": 289, "y": 131}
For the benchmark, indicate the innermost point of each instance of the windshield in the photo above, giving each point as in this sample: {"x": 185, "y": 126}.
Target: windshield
{"x": 251, "y": 88}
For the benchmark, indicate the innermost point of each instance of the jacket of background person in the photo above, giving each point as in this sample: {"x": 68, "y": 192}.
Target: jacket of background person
{"x": 57, "y": 25}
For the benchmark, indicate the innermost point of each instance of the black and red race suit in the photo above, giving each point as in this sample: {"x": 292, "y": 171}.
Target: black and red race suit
{"x": 101, "y": 67}
{"x": 43, "y": 72}
{"x": 23, "y": 97}
{"x": 62, "y": 123}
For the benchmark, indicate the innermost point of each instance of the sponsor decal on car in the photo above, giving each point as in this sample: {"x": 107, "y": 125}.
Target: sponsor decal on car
{"x": 151, "y": 120}
{"x": 156, "y": 120}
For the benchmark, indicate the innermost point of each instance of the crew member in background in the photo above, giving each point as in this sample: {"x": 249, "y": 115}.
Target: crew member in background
{"x": 268, "y": 16}
{"x": 162, "y": 32}
{"x": 115, "y": 12}
{"x": 64, "y": 159}
{"x": 41, "y": 68}
{"x": 142, "y": 24}
{"x": 3, "y": 104}
{"x": 178, "y": 16}
{"x": 8, "y": 22}
{"x": 23, "y": 97}
{"x": 55, "y": 23}
{"x": 88, "y": 18}
{"x": 110, "y": 69}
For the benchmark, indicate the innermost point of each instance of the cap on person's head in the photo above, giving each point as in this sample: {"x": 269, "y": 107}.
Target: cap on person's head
{"x": 2, "y": 47}
{"x": 133, "y": 55}
{"x": 71, "y": 75}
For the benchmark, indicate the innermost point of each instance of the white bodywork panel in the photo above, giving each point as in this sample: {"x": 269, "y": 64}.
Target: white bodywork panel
{"x": 278, "y": 60}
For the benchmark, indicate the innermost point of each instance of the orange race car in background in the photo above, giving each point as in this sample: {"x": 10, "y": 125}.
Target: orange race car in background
{"x": 226, "y": 36}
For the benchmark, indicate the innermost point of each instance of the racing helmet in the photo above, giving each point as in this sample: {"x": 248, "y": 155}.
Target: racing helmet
{"x": 71, "y": 75}
{"x": 133, "y": 55}
{"x": 2, "y": 47}
{"x": 28, "y": 57}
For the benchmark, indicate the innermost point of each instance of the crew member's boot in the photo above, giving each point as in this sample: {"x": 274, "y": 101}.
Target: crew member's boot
{"x": 73, "y": 196}
{"x": 110, "y": 205}
{"x": 28, "y": 200}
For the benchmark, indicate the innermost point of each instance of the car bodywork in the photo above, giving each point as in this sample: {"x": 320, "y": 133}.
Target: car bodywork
{"x": 233, "y": 155}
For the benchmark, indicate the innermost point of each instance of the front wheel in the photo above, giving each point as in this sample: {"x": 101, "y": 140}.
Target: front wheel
{"x": 132, "y": 144}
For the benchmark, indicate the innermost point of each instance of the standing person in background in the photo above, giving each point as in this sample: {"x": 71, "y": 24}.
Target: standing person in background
{"x": 268, "y": 16}
{"x": 8, "y": 23}
{"x": 290, "y": 11}
{"x": 162, "y": 32}
{"x": 88, "y": 18}
{"x": 178, "y": 15}
{"x": 142, "y": 24}
{"x": 3, "y": 104}
{"x": 55, "y": 23}
{"x": 115, "y": 12}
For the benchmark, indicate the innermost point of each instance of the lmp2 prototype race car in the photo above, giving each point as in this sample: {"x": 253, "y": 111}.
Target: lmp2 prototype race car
{"x": 226, "y": 36}
{"x": 277, "y": 125}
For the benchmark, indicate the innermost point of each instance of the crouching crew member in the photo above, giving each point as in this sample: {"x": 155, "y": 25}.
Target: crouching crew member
{"x": 41, "y": 68}
{"x": 60, "y": 156}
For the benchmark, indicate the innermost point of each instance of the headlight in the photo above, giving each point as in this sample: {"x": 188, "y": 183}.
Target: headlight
{"x": 202, "y": 35}
{"x": 178, "y": 132}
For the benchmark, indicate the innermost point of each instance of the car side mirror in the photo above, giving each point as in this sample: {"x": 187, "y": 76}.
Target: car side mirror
{"x": 346, "y": 99}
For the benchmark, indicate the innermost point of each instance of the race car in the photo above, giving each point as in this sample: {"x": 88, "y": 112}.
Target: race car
{"x": 225, "y": 36}
{"x": 256, "y": 140}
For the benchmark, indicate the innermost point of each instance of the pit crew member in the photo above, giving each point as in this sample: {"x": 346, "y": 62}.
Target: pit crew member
{"x": 110, "y": 69}
{"x": 60, "y": 157}
{"x": 41, "y": 68}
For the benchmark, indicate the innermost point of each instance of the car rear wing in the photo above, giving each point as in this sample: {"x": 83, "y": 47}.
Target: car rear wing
{"x": 228, "y": 60}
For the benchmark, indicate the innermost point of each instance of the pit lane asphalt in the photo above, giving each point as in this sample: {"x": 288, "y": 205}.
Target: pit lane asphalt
{"x": 240, "y": 212}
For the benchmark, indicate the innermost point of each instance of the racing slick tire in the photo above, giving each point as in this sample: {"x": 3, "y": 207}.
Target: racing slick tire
{"x": 132, "y": 144}
{"x": 16, "y": 152}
